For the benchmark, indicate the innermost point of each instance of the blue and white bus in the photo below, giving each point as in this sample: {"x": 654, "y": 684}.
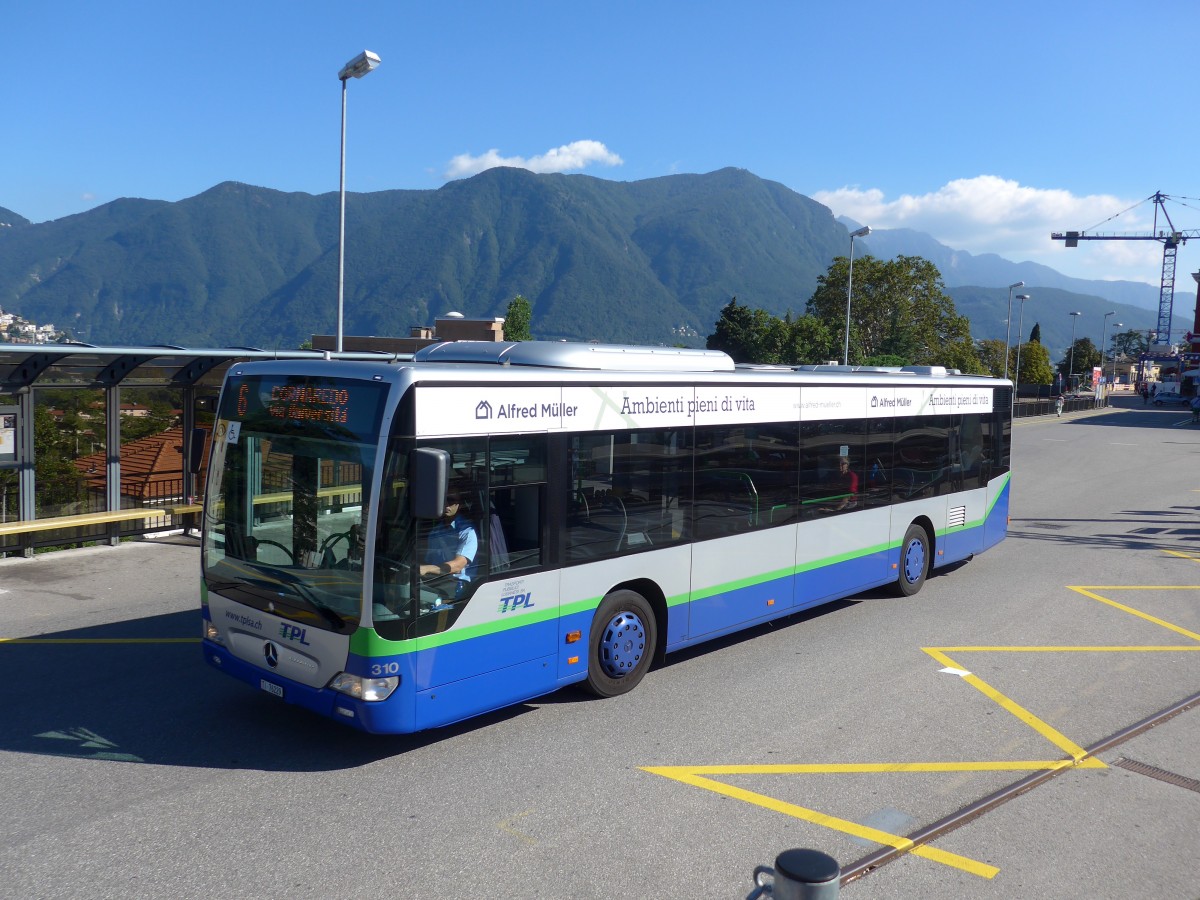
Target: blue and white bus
{"x": 404, "y": 544}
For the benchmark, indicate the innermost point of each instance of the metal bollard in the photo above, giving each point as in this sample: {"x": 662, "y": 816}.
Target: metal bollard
{"x": 798, "y": 875}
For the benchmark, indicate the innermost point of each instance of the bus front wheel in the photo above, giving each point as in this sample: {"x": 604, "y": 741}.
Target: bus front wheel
{"x": 621, "y": 645}
{"x": 914, "y": 560}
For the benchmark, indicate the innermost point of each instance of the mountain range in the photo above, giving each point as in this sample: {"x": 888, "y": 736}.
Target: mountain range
{"x": 647, "y": 262}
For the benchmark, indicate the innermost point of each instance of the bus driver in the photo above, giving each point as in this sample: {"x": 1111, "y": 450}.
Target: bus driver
{"x": 453, "y": 543}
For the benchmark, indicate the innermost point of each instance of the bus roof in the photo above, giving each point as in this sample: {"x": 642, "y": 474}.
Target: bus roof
{"x": 564, "y": 355}
{"x": 553, "y": 361}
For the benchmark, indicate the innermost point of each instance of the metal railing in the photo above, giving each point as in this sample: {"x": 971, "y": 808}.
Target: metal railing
{"x": 162, "y": 508}
{"x": 1047, "y": 406}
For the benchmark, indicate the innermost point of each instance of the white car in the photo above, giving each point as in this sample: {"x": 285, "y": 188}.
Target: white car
{"x": 1170, "y": 397}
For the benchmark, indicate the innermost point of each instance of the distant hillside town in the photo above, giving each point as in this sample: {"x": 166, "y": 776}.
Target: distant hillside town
{"x": 16, "y": 330}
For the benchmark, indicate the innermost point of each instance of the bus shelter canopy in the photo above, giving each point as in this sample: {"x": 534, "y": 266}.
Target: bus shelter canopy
{"x": 84, "y": 365}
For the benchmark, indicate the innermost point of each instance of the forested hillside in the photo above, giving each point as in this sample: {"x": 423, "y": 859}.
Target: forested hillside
{"x": 648, "y": 262}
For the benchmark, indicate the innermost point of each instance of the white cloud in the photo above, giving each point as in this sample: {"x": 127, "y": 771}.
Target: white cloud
{"x": 987, "y": 214}
{"x": 567, "y": 158}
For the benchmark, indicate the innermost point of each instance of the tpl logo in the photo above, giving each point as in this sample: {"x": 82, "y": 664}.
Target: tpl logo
{"x": 292, "y": 633}
{"x": 516, "y": 601}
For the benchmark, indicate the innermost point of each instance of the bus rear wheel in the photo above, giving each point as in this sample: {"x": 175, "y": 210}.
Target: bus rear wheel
{"x": 621, "y": 644}
{"x": 914, "y": 560}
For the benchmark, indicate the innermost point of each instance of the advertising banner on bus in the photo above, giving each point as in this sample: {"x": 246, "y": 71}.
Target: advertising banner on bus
{"x": 452, "y": 410}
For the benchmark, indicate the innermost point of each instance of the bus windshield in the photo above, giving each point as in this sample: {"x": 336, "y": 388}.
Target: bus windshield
{"x": 287, "y": 495}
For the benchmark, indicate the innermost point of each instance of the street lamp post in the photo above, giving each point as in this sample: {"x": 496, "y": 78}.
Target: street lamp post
{"x": 1103, "y": 334}
{"x": 1020, "y": 331}
{"x": 1008, "y": 325}
{"x": 1071, "y": 366}
{"x": 861, "y": 232}
{"x": 1113, "y": 357}
{"x": 356, "y": 68}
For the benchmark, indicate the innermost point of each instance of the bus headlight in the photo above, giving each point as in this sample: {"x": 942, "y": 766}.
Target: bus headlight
{"x": 211, "y": 633}
{"x": 369, "y": 689}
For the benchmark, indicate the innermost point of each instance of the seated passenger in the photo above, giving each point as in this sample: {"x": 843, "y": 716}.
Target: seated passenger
{"x": 846, "y": 487}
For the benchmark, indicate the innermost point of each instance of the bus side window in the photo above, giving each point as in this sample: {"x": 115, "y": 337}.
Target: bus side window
{"x": 745, "y": 478}
{"x": 629, "y": 492}
{"x": 833, "y": 475}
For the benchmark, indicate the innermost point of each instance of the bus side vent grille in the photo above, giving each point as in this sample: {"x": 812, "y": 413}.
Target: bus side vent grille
{"x": 958, "y": 516}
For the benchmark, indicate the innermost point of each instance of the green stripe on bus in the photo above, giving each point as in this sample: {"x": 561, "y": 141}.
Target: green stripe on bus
{"x": 366, "y": 642}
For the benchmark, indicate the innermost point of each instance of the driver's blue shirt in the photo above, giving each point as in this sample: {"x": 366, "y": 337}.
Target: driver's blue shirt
{"x": 450, "y": 539}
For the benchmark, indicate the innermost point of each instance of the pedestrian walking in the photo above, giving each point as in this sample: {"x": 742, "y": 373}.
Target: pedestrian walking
{"x": 1145, "y": 395}
{"x": 1195, "y": 409}
{"x": 1058, "y": 405}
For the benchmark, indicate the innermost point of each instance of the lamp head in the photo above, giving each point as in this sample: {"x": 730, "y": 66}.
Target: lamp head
{"x": 861, "y": 232}
{"x": 1017, "y": 285}
{"x": 1022, "y": 296}
{"x": 359, "y": 66}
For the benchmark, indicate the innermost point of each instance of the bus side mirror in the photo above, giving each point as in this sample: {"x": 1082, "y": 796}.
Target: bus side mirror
{"x": 196, "y": 450}
{"x": 430, "y": 473}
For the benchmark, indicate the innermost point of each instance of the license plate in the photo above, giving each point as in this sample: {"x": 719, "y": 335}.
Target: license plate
{"x": 270, "y": 688}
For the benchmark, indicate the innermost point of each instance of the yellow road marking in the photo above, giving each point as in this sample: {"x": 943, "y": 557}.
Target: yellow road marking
{"x": 1134, "y": 612}
{"x": 1045, "y": 730}
{"x": 1165, "y": 648}
{"x": 1014, "y": 765}
{"x": 508, "y": 827}
{"x": 685, "y": 775}
{"x": 1078, "y": 758}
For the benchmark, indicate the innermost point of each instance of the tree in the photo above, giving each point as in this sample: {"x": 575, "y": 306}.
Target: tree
{"x": 54, "y": 448}
{"x": 807, "y": 341}
{"x": 748, "y": 335}
{"x": 1035, "y": 364}
{"x": 1085, "y": 358}
{"x": 517, "y": 319}
{"x": 1035, "y": 336}
{"x": 899, "y": 308}
{"x": 1130, "y": 343}
{"x": 755, "y": 336}
{"x": 991, "y": 357}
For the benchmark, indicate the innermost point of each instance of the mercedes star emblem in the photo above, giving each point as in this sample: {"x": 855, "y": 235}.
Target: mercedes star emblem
{"x": 271, "y": 652}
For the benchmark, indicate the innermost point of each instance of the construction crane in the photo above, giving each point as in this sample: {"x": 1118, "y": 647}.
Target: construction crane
{"x": 1171, "y": 239}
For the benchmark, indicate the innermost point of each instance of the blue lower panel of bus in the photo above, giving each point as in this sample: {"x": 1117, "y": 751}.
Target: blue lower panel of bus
{"x": 959, "y": 544}
{"x": 996, "y": 525}
{"x": 733, "y": 610}
{"x": 436, "y": 665}
{"x": 741, "y": 606}
{"x": 441, "y": 705}
{"x": 483, "y": 693}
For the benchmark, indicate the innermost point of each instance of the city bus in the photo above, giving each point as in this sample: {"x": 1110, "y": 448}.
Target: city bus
{"x": 403, "y": 544}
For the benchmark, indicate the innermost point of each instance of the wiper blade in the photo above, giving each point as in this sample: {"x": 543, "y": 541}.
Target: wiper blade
{"x": 290, "y": 588}
{"x": 304, "y": 592}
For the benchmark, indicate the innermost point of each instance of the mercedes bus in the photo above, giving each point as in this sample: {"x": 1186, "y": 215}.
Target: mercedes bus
{"x": 403, "y": 544}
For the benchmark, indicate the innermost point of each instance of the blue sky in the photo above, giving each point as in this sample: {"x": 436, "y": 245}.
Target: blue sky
{"x": 986, "y": 126}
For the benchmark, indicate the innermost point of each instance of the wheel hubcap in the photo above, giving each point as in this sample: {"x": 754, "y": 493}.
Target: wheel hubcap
{"x": 914, "y": 561}
{"x": 622, "y": 645}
